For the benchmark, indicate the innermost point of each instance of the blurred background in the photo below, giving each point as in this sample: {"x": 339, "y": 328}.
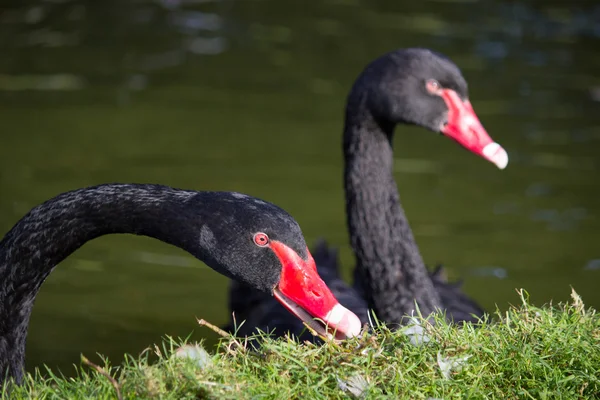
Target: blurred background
{"x": 249, "y": 96}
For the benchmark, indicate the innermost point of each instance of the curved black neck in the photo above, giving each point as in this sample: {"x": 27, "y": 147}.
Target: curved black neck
{"x": 390, "y": 270}
{"x": 55, "y": 229}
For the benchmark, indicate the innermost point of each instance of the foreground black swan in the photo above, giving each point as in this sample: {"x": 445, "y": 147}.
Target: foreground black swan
{"x": 244, "y": 238}
{"x": 409, "y": 86}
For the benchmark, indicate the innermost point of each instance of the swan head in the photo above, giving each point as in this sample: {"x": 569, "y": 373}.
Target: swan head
{"x": 260, "y": 245}
{"x": 421, "y": 87}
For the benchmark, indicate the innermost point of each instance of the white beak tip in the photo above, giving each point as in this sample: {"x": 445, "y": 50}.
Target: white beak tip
{"x": 345, "y": 320}
{"x": 496, "y": 154}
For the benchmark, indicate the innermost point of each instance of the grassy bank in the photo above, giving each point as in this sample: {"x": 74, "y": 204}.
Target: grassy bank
{"x": 527, "y": 352}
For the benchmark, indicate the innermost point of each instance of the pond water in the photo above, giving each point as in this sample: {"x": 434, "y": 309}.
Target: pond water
{"x": 249, "y": 96}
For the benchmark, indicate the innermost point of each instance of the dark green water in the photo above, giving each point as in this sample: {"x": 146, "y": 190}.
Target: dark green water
{"x": 248, "y": 96}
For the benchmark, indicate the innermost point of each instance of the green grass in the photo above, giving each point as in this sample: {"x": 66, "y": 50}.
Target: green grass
{"x": 525, "y": 353}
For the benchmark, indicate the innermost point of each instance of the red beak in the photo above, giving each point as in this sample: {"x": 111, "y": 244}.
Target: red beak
{"x": 464, "y": 127}
{"x": 302, "y": 291}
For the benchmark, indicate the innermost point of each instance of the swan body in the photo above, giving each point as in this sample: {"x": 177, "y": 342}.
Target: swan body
{"x": 407, "y": 86}
{"x": 244, "y": 238}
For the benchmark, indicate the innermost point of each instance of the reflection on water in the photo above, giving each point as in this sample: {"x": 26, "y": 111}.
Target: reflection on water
{"x": 593, "y": 265}
{"x": 248, "y": 96}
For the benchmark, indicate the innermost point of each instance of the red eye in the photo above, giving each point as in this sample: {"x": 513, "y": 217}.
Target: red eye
{"x": 261, "y": 239}
{"x": 433, "y": 86}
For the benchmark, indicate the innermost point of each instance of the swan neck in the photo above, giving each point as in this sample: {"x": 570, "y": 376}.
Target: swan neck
{"x": 390, "y": 270}
{"x": 55, "y": 229}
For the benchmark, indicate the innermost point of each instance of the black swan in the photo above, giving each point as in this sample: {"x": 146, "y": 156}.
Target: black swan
{"x": 407, "y": 86}
{"x": 239, "y": 236}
